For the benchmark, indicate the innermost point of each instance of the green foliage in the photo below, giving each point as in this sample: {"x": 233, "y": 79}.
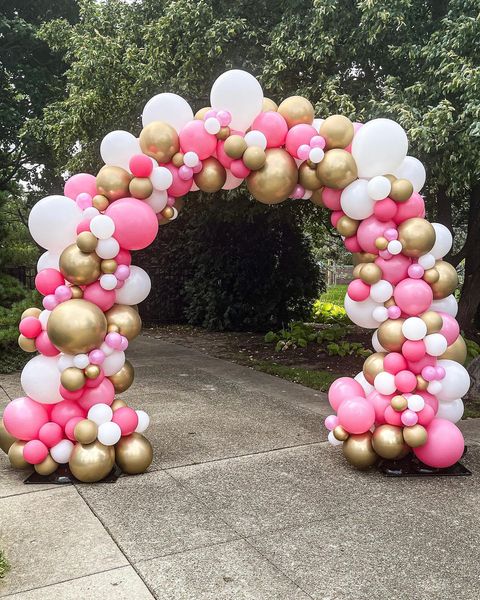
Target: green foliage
{"x": 473, "y": 350}
{"x": 318, "y": 380}
{"x": 345, "y": 348}
{"x": 11, "y": 290}
{"x": 327, "y": 312}
{"x": 4, "y": 566}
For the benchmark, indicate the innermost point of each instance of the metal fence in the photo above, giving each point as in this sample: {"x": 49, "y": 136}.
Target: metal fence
{"x": 26, "y": 275}
{"x": 336, "y": 274}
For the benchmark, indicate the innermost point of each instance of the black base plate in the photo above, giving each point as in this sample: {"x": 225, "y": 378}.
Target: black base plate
{"x": 410, "y": 466}
{"x": 63, "y": 475}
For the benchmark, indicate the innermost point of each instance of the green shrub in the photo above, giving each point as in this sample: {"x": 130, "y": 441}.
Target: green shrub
{"x": 473, "y": 350}
{"x": 11, "y": 290}
{"x": 327, "y": 312}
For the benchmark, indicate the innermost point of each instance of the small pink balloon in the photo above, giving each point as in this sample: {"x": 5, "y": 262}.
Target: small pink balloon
{"x": 47, "y": 281}
{"x": 392, "y": 417}
{"x": 239, "y": 169}
{"x": 93, "y": 383}
{"x": 385, "y": 209}
{"x": 303, "y": 152}
{"x": 122, "y": 272}
{"x": 298, "y": 192}
{"x": 395, "y": 269}
{"x": 413, "y": 296}
{"x": 394, "y": 362}
{"x": 358, "y": 290}
{"x": 369, "y": 230}
{"x": 273, "y": 126}
{"x": 429, "y": 373}
{"x": 318, "y": 141}
{"x": 342, "y": 388}
{"x": 96, "y": 357}
{"x": 141, "y": 165}
{"x": 119, "y": 285}
{"x": 413, "y": 350}
{"x": 79, "y": 183}
{"x": 50, "y": 434}
{"x": 426, "y": 415}
{"x": 94, "y": 293}
{"x": 409, "y": 418}
{"x": 444, "y": 445}
{"x": 68, "y": 395}
{"x": 413, "y": 207}
{"x": 70, "y": 427}
{"x": 440, "y": 372}
{"x": 123, "y": 344}
{"x": 113, "y": 339}
{"x": 124, "y": 257}
{"x": 430, "y": 399}
{"x": 84, "y": 200}
{"x": 50, "y": 302}
{"x": 30, "y": 327}
{"x": 126, "y": 418}
{"x": 380, "y": 402}
{"x": 222, "y": 156}
{"x": 416, "y": 366}
{"x": 23, "y": 418}
{"x": 393, "y": 312}
{"x": 194, "y": 138}
{"x": 63, "y": 293}
{"x": 335, "y": 216}
{"x": 35, "y": 452}
{"x": 179, "y": 186}
{"x": 351, "y": 244}
{"x": 331, "y": 422}
{"x": 104, "y": 393}
{"x": 405, "y": 381}
{"x": 45, "y": 346}
{"x": 356, "y": 415}
{"x": 66, "y": 410}
{"x": 136, "y": 224}
{"x": 185, "y": 172}
{"x": 450, "y": 328}
{"x": 224, "y": 117}
{"x": 385, "y": 254}
{"x": 416, "y": 271}
{"x": 331, "y": 198}
{"x": 210, "y": 114}
{"x": 391, "y": 234}
{"x": 297, "y": 136}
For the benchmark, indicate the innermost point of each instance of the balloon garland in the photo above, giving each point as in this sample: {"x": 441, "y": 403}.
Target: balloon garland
{"x": 408, "y": 396}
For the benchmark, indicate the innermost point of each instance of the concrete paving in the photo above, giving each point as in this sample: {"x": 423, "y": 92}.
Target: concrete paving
{"x": 245, "y": 500}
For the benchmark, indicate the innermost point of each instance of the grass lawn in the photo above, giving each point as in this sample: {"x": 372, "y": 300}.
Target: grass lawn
{"x": 4, "y": 566}
{"x": 318, "y": 380}
{"x": 335, "y": 294}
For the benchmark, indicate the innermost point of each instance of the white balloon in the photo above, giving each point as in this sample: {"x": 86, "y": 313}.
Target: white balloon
{"x": 107, "y": 248}
{"x": 317, "y": 123}
{"x": 157, "y": 201}
{"x": 48, "y": 260}
{"x": 434, "y": 387}
{"x": 143, "y": 421}
{"x": 456, "y": 382}
{"x": 377, "y": 346}
{"x": 43, "y": 318}
{"x": 90, "y": 213}
{"x": 113, "y": 363}
{"x": 380, "y": 314}
{"x": 414, "y": 329}
{"x": 108, "y": 281}
{"x": 333, "y": 440}
{"x": 316, "y": 155}
{"x": 65, "y": 361}
{"x": 413, "y": 170}
{"x": 256, "y": 138}
{"x": 435, "y": 344}
{"x": 161, "y": 178}
{"x": 53, "y": 222}
{"x": 190, "y": 159}
{"x": 137, "y": 287}
{"x": 361, "y": 313}
{"x": 381, "y": 291}
{"x": 427, "y": 261}
{"x": 169, "y": 108}
{"x": 452, "y": 411}
{"x": 367, "y": 387}
{"x": 80, "y": 361}
{"x": 448, "y": 305}
{"x": 212, "y": 125}
{"x": 443, "y": 241}
{"x": 379, "y": 147}
{"x": 102, "y": 227}
{"x": 40, "y": 379}
{"x": 355, "y": 201}
{"x": 241, "y": 94}
{"x": 62, "y": 451}
{"x": 385, "y": 383}
{"x": 106, "y": 349}
{"x": 379, "y": 187}
{"x": 100, "y": 413}
{"x": 109, "y": 434}
{"x": 394, "y": 247}
{"x": 118, "y": 147}
{"x": 231, "y": 182}
{"x": 416, "y": 402}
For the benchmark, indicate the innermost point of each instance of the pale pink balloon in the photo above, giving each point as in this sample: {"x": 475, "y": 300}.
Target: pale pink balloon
{"x": 50, "y": 434}
{"x": 413, "y": 207}
{"x": 394, "y": 362}
{"x": 79, "y": 183}
{"x": 450, "y": 329}
{"x": 444, "y": 445}
{"x": 93, "y": 383}
{"x": 136, "y": 224}
{"x": 369, "y": 230}
{"x": 195, "y": 138}
{"x": 102, "y": 394}
{"x": 331, "y": 422}
{"x": 45, "y": 346}
{"x": 358, "y": 290}
{"x": 47, "y": 281}
{"x": 380, "y": 402}
{"x": 35, "y": 452}
{"x": 273, "y": 126}
{"x": 179, "y": 186}
{"x": 409, "y": 418}
{"x": 104, "y": 299}
{"x": 430, "y": 400}
{"x": 356, "y": 415}
{"x": 351, "y": 244}
{"x": 66, "y": 410}
{"x": 331, "y": 198}
{"x": 342, "y": 388}
{"x": 30, "y": 327}
{"x": 297, "y": 136}
{"x": 23, "y": 418}
{"x": 126, "y": 418}
{"x": 413, "y": 296}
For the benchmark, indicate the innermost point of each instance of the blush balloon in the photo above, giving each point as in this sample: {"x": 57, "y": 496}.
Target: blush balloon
{"x": 297, "y": 136}
{"x": 45, "y": 346}
{"x": 331, "y": 198}
{"x": 273, "y": 126}
{"x": 416, "y": 366}
{"x": 47, "y": 281}
{"x": 395, "y": 269}
{"x": 385, "y": 210}
{"x": 352, "y": 245}
{"x": 23, "y": 418}
{"x": 66, "y": 410}
{"x": 413, "y": 207}
{"x": 369, "y": 230}
{"x": 102, "y": 394}
{"x": 80, "y": 183}
{"x": 179, "y": 186}
{"x": 126, "y": 418}
{"x": 392, "y": 417}
{"x": 342, "y": 388}
{"x": 356, "y": 415}
{"x": 414, "y": 350}
{"x": 380, "y": 402}
{"x": 195, "y": 138}
{"x": 104, "y": 299}
{"x": 358, "y": 290}
{"x": 136, "y": 224}
{"x": 394, "y": 362}
{"x": 450, "y": 329}
{"x": 444, "y": 445}
{"x": 50, "y": 434}
{"x": 413, "y": 296}
{"x": 35, "y": 452}
{"x": 222, "y": 157}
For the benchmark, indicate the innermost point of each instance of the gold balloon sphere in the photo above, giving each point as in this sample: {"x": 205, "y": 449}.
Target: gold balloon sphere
{"x": 46, "y": 467}
{"x": 31, "y": 312}
{"x": 92, "y": 371}
{"x": 371, "y": 273}
{"x": 79, "y": 267}
{"x": 112, "y": 182}
{"x": 212, "y": 177}
{"x": 100, "y": 202}
{"x": 388, "y": 442}
{"x": 388, "y": 303}
{"x": 118, "y": 403}
{"x": 337, "y": 169}
{"x": 316, "y": 198}
{"x": 85, "y": 431}
{"x": 338, "y": 131}
{"x": 363, "y": 257}
{"x": 254, "y": 158}
{"x": 381, "y": 243}
{"x": 108, "y": 265}
{"x": 223, "y": 134}
{"x": 340, "y": 434}
{"x": 296, "y": 110}
{"x": 268, "y": 104}
{"x": 422, "y": 384}
{"x": 235, "y": 146}
{"x": 401, "y": 190}
{"x": 390, "y": 335}
{"x": 391, "y": 178}
{"x": 123, "y": 379}
{"x": 415, "y": 436}
{"x": 160, "y": 141}
{"x": 76, "y": 326}
{"x": 274, "y": 182}
{"x": 456, "y": 351}
{"x": 168, "y": 213}
{"x": 91, "y": 462}
{"x": 447, "y": 280}
{"x": 126, "y": 318}
{"x": 373, "y": 365}
{"x": 399, "y": 403}
{"x": 200, "y": 114}
{"x": 140, "y": 187}
{"x": 86, "y": 242}
{"x": 347, "y": 226}
{"x": 307, "y": 177}
{"x": 431, "y": 275}
{"x": 77, "y": 292}
{"x": 356, "y": 271}
{"x": 359, "y": 452}
{"x": 417, "y": 237}
{"x": 72, "y": 379}
{"x": 432, "y": 320}
{"x": 15, "y": 455}
{"x": 177, "y": 159}
{"x": 6, "y": 440}
{"x": 133, "y": 454}
{"x": 26, "y": 344}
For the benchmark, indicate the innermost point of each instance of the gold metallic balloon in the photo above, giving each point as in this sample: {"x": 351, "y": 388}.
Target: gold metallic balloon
{"x": 347, "y": 226}
{"x": 26, "y": 344}
{"x": 432, "y": 320}
{"x": 46, "y": 467}
{"x": 415, "y": 436}
{"x": 224, "y": 133}
{"x": 91, "y": 462}
{"x": 431, "y": 275}
{"x": 337, "y": 169}
{"x": 140, "y": 187}
{"x": 113, "y": 329}
{"x": 92, "y": 371}
{"x": 340, "y": 433}
{"x": 31, "y": 312}
{"x": 212, "y": 177}
{"x": 274, "y": 182}
{"x": 6, "y": 440}
{"x": 381, "y": 243}
{"x": 296, "y": 110}
{"x": 100, "y": 203}
{"x": 160, "y": 141}
{"x": 316, "y": 198}
{"x": 399, "y": 403}
{"x": 356, "y": 271}
{"x": 85, "y": 431}
{"x": 390, "y": 334}
{"x": 168, "y": 212}
{"x": 77, "y": 292}
{"x": 422, "y": 384}
{"x": 108, "y": 265}
{"x": 123, "y": 379}
{"x": 254, "y": 158}
{"x": 388, "y": 303}
{"x": 417, "y": 237}
{"x": 371, "y": 273}
{"x": 401, "y": 190}
{"x": 86, "y": 242}
{"x": 112, "y": 182}
{"x": 363, "y": 257}
{"x": 447, "y": 281}
{"x": 456, "y": 351}
{"x": 235, "y": 146}
{"x": 118, "y": 403}
{"x": 177, "y": 159}
{"x": 76, "y": 326}
{"x": 388, "y": 442}
{"x": 133, "y": 454}
{"x": 79, "y": 267}
{"x": 338, "y": 131}
{"x": 269, "y": 105}
{"x": 359, "y": 452}
{"x": 15, "y": 455}
{"x": 373, "y": 365}
{"x": 200, "y": 114}
{"x": 307, "y": 177}
{"x": 72, "y": 379}
{"x": 391, "y": 178}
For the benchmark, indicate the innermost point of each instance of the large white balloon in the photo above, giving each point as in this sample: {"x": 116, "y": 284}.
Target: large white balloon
{"x": 48, "y": 260}
{"x": 118, "y": 147}
{"x": 413, "y": 170}
{"x": 240, "y": 93}
{"x": 448, "y": 305}
{"x": 361, "y": 312}
{"x": 452, "y": 411}
{"x": 53, "y": 222}
{"x": 40, "y": 379}
{"x": 443, "y": 241}
{"x": 456, "y": 382}
{"x": 355, "y": 200}
{"x": 169, "y": 108}
{"x": 377, "y": 346}
{"x": 379, "y": 147}
{"x": 136, "y": 287}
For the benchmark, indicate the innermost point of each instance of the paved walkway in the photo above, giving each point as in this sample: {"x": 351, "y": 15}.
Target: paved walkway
{"x": 245, "y": 500}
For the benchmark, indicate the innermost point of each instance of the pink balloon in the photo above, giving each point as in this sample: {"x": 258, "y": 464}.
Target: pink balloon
{"x": 222, "y": 157}
{"x": 66, "y": 410}
{"x": 351, "y": 244}
{"x": 30, "y": 327}
{"x": 68, "y": 395}
{"x": 413, "y": 350}
{"x": 369, "y": 230}
{"x": 79, "y": 183}
{"x": 136, "y": 224}
{"x": 394, "y": 362}
{"x": 416, "y": 366}
{"x": 413, "y": 207}
{"x": 195, "y": 138}
{"x": 356, "y": 415}
{"x": 342, "y": 388}
{"x": 409, "y": 418}
{"x": 331, "y": 198}
{"x": 413, "y": 296}
{"x": 104, "y": 299}
{"x": 50, "y": 434}
{"x": 124, "y": 257}
{"x": 426, "y": 415}
{"x": 35, "y": 452}
{"x": 179, "y": 186}
{"x": 395, "y": 269}
{"x": 239, "y": 169}
{"x": 392, "y": 417}
{"x": 84, "y": 225}
{"x": 358, "y": 290}
{"x": 126, "y": 418}
{"x": 47, "y": 281}
{"x": 102, "y": 394}
{"x": 380, "y": 402}
{"x": 23, "y": 418}
{"x": 444, "y": 445}
{"x": 431, "y": 400}
{"x": 93, "y": 383}
{"x": 141, "y": 165}
{"x": 273, "y": 126}
{"x": 336, "y": 216}
{"x": 297, "y": 136}
{"x": 45, "y": 346}
{"x": 331, "y": 422}
{"x": 70, "y": 426}
{"x": 405, "y": 381}
{"x": 450, "y": 329}
{"x": 385, "y": 209}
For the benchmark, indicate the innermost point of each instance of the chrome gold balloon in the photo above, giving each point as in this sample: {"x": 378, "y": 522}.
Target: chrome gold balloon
{"x": 432, "y": 320}
{"x": 316, "y": 198}
{"x": 92, "y": 371}
{"x": 72, "y": 379}
{"x": 399, "y": 403}
{"x": 447, "y": 281}
{"x": 100, "y": 203}
{"x": 456, "y": 351}
{"x": 224, "y": 133}
{"x": 269, "y": 105}
{"x": 296, "y": 110}
{"x": 359, "y": 452}
{"x": 15, "y": 455}
{"x": 356, "y": 271}
{"x": 274, "y": 182}
{"x": 254, "y": 158}
{"x": 6, "y": 440}
{"x": 390, "y": 335}
{"x": 86, "y": 242}
{"x": 431, "y": 275}
{"x": 338, "y": 131}
{"x": 337, "y": 169}
{"x": 388, "y": 442}
{"x": 307, "y": 177}
{"x": 417, "y": 237}
{"x": 401, "y": 190}
{"x": 46, "y": 467}
{"x": 126, "y": 318}
{"x": 422, "y": 384}
{"x": 77, "y": 292}
{"x": 168, "y": 212}
{"x": 79, "y": 267}
{"x": 113, "y": 182}
{"x": 140, "y": 187}
{"x": 235, "y": 146}
{"x": 363, "y": 257}
{"x": 91, "y": 462}
{"x": 200, "y": 114}
{"x": 118, "y": 403}
{"x": 133, "y": 454}
{"x": 373, "y": 365}
{"x": 123, "y": 379}
{"x": 340, "y": 433}
{"x": 177, "y": 159}
{"x": 381, "y": 243}
{"x": 212, "y": 177}
{"x": 85, "y": 431}
{"x": 415, "y": 436}
{"x": 347, "y": 226}
{"x": 160, "y": 141}
{"x": 108, "y": 265}
{"x": 371, "y": 273}
{"x": 26, "y": 344}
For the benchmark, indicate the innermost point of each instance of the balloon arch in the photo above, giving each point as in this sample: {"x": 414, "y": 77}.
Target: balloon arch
{"x": 408, "y": 396}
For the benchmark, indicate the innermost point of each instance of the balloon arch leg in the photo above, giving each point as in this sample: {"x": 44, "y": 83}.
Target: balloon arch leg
{"x": 408, "y": 396}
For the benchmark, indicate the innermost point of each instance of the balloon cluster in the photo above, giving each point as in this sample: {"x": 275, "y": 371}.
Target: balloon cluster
{"x": 409, "y": 394}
